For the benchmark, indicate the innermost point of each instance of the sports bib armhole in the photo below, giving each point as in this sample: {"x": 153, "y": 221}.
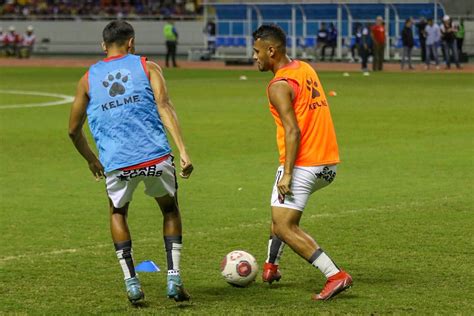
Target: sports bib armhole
{"x": 294, "y": 85}
{"x": 145, "y": 67}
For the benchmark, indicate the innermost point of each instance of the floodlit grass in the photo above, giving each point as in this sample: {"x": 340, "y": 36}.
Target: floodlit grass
{"x": 399, "y": 216}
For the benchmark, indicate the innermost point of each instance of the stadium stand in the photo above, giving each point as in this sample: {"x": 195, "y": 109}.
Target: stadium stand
{"x": 234, "y": 22}
{"x": 99, "y": 9}
{"x": 302, "y": 21}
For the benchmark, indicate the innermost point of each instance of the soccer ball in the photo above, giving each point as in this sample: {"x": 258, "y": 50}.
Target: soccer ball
{"x": 239, "y": 268}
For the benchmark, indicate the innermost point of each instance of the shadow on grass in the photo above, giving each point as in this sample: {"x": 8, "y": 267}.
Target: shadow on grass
{"x": 140, "y": 305}
{"x": 343, "y": 297}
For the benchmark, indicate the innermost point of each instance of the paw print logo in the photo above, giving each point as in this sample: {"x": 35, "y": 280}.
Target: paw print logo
{"x": 312, "y": 86}
{"x": 118, "y": 82}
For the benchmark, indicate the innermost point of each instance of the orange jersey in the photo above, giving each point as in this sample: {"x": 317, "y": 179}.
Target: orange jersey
{"x": 318, "y": 145}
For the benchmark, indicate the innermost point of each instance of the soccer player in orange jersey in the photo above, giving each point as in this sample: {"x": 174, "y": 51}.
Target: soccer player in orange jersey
{"x": 308, "y": 155}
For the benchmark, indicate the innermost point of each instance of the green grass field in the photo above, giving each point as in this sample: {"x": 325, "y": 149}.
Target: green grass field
{"x": 399, "y": 216}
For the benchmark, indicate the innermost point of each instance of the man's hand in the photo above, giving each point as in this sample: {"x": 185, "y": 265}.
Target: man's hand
{"x": 97, "y": 169}
{"x": 284, "y": 185}
{"x": 186, "y": 166}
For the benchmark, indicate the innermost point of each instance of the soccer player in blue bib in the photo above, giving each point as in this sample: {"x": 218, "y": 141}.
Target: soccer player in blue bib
{"x": 125, "y": 100}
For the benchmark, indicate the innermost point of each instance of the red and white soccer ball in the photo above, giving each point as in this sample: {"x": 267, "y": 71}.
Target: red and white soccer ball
{"x": 239, "y": 268}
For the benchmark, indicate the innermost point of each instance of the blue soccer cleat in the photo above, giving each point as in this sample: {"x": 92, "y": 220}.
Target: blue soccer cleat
{"x": 176, "y": 289}
{"x": 134, "y": 290}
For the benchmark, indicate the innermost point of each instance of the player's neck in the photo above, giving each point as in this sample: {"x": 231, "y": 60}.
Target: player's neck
{"x": 284, "y": 61}
{"x": 115, "y": 52}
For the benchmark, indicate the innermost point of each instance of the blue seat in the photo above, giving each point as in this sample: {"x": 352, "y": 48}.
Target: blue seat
{"x": 229, "y": 41}
{"x": 220, "y": 41}
{"x": 310, "y": 41}
{"x": 417, "y": 42}
{"x": 240, "y": 42}
{"x": 353, "y": 41}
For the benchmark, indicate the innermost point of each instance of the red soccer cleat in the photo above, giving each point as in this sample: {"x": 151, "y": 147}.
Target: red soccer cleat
{"x": 270, "y": 273}
{"x": 334, "y": 285}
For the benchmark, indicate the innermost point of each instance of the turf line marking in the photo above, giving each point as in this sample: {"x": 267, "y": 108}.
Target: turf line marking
{"x": 63, "y": 99}
{"x": 380, "y": 209}
{"x": 65, "y": 251}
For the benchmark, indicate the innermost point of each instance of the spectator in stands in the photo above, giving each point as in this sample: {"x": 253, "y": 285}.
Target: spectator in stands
{"x": 12, "y": 40}
{"x": 210, "y": 31}
{"x": 422, "y": 37}
{"x": 460, "y": 37}
{"x": 365, "y": 48}
{"x": 331, "y": 41}
{"x": 322, "y": 38}
{"x": 356, "y": 42}
{"x": 75, "y": 8}
{"x": 171, "y": 36}
{"x": 378, "y": 40}
{"x": 433, "y": 36}
{"x": 448, "y": 36}
{"x": 408, "y": 43}
{"x": 2, "y": 42}
{"x": 27, "y": 43}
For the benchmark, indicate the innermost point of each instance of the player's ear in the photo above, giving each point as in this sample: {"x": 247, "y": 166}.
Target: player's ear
{"x": 104, "y": 47}
{"x": 131, "y": 45}
{"x": 271, "y": 51}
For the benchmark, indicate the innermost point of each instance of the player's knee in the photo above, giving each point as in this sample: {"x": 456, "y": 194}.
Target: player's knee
{"x": 118, "y": 210}
{"x": 169, "y": 206}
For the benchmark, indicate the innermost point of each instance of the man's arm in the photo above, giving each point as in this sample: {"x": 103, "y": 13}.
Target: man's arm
{"x": 169, "y": 117}
{"x": 76, "y": 121}
{"x": 281, "y": 96}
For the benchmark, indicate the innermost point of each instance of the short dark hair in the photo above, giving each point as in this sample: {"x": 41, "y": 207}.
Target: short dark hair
{"x": 271, "y": 32}
{"x": 117, "y": 32}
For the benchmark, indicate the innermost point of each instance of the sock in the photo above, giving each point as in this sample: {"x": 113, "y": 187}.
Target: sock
{"x": 173, "y": 246}
{"x": 124, "y": 254}
{"x": 321, "y": 261}
{"x": 275, "y": 250}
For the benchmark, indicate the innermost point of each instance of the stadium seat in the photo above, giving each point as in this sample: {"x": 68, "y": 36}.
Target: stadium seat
{"x": 352, "y": 41}
{"x": 229, "y": 41}
{"x": 240, "y": 42}
{"x": 220, "y": 41}
{"x": 310, "y": 41}
{"x": 417, "y": 42}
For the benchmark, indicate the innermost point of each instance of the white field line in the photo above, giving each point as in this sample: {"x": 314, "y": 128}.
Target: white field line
{"x": 380, "y": 209}
{"x": 63, "y": 99}
{"x": 66, "y": 250}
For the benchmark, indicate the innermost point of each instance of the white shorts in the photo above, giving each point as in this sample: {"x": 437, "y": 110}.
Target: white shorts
{"x": 306, "y": 180}
{"x": 159, "y": 180}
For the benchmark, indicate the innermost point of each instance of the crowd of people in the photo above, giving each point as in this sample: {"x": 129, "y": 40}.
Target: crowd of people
{"x": 14, "y": 44}
{"x": 103, "y": 8}
{"x": 371, "y": 40}
{"x": 448, "y": 36}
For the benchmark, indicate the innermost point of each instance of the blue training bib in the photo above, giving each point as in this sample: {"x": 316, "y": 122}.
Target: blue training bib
{"x": 123, "y": 115}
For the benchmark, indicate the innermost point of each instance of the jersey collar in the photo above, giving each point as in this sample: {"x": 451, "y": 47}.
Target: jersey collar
{"x": 113, "y": 58}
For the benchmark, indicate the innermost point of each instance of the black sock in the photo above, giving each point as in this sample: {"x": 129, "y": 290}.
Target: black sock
{"x": 124, "y": 254}
{"x": 173, "y": 245}
{"x": 275, "y": 249}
